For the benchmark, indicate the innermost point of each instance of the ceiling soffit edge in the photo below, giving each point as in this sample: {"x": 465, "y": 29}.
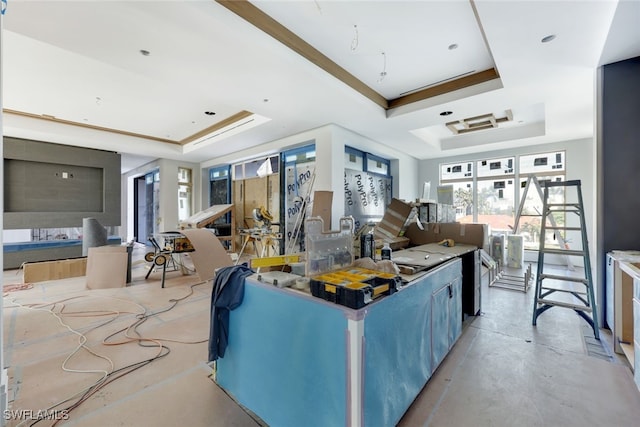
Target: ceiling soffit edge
{"x": 259, "y": 19}
{"x": 54, "y": 119}
{"x": 229, "y": 121}
{"x": 221, "y": 124}
{"x": 441, "y": 89}
{"x": 256, "y": 17}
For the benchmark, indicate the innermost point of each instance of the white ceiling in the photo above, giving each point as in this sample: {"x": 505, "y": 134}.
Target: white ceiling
{"x": 79, "y": 64}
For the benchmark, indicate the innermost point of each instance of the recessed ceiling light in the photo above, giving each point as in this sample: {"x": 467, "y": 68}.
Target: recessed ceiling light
{"x": 145, "y": 52}
{"x": 265, "y": 100}
{"x": 453, "y": 46}
{"x": 209, "y": 113}
{"x": 446, "y": 113}
{"x": 547, "y": 39}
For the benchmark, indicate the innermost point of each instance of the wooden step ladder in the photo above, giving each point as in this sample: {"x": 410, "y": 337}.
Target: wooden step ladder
{"x": 581, "y": 300}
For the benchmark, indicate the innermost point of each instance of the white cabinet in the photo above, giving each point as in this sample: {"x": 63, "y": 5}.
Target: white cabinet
{"x": 609, "y": 297}
{"x": 618, "y": 298}
{"x": 636, "y": 330}
{"x": 629, "y": 273}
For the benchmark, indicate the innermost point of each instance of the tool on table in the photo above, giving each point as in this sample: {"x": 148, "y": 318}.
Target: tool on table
{"x": 449, "y": 243}
{"x": 262, "y": 233}
{"x": 280, "y": 279}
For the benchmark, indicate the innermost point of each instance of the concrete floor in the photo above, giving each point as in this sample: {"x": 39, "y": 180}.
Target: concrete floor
{"x": 505, "y": 372}
{"x": 502, "y": 372}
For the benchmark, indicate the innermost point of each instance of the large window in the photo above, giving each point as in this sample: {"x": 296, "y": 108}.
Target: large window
{"x": 220, "y": 194}
{"x": 184, "y": 193}
{"x": 495, "y": 203}
{"x": 490, "y": 191}
{"x": 460, "y": 175}
{"x": 530, "y": 219}
{"x": 544, "y": 163}
{"x": 367, "y": 186}
{"x": 495, "y": 194}
{"x": 544, "y": 167}
{"x": 299, "y": 165}
{"x": 463, "y": 200}
{"x": 219, "y": 185}
{"x": 256, "y": 168}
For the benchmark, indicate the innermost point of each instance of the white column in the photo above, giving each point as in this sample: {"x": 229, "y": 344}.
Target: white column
{"x": 4, "y": 383}
{"x": 355, "y": 368}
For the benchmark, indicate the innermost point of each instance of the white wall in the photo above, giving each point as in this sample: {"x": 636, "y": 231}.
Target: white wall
{"x": 318, "y": 135}
{"x": 329, "y": 162}
{"x": 169, "y": 191}
{"x": 404, "y": 168}
{"x": 330, "y": 172}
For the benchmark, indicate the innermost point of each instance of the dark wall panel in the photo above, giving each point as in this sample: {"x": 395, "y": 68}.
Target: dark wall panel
{"x": 621, "y": 154}
{"x": 51, "y": 185}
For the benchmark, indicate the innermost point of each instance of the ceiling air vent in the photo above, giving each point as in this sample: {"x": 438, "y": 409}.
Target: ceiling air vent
{"x": 472, "y": 124}
{"x": 233, "y": 125}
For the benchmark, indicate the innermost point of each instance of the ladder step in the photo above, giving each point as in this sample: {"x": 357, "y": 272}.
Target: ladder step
{"x": 561, "y": 183}
{"x": 563, "y": 290}
{"x": 557, "y": 209}
{"x": 564, "y": 228}
{"x": 562, "y": 252}
{"x": 573, "y": 205}
{"x": 565, "y": 278}
{"x": 564, "y": 304}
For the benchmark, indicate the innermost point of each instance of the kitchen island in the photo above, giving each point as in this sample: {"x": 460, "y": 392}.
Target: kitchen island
{"x": 294, "y": 359}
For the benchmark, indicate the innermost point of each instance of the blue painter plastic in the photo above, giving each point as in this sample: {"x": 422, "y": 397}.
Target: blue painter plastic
{"x": 286, "y": 358}
{"x": 398, "y": 349}
{"x": 446, "y": 318}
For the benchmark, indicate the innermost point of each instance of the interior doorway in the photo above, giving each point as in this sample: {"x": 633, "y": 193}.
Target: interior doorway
{"x": 220, "y": 194}
{"x": 145, "y": 206}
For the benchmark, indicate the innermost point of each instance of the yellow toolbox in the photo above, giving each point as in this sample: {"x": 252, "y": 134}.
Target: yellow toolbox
{"x": 355, "y": 287}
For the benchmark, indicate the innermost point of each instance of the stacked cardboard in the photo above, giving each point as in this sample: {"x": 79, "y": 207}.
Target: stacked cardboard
{"x": 470, "y": 234}
{"x": 393, "y": 224}
{"x": 322, "y": 207}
